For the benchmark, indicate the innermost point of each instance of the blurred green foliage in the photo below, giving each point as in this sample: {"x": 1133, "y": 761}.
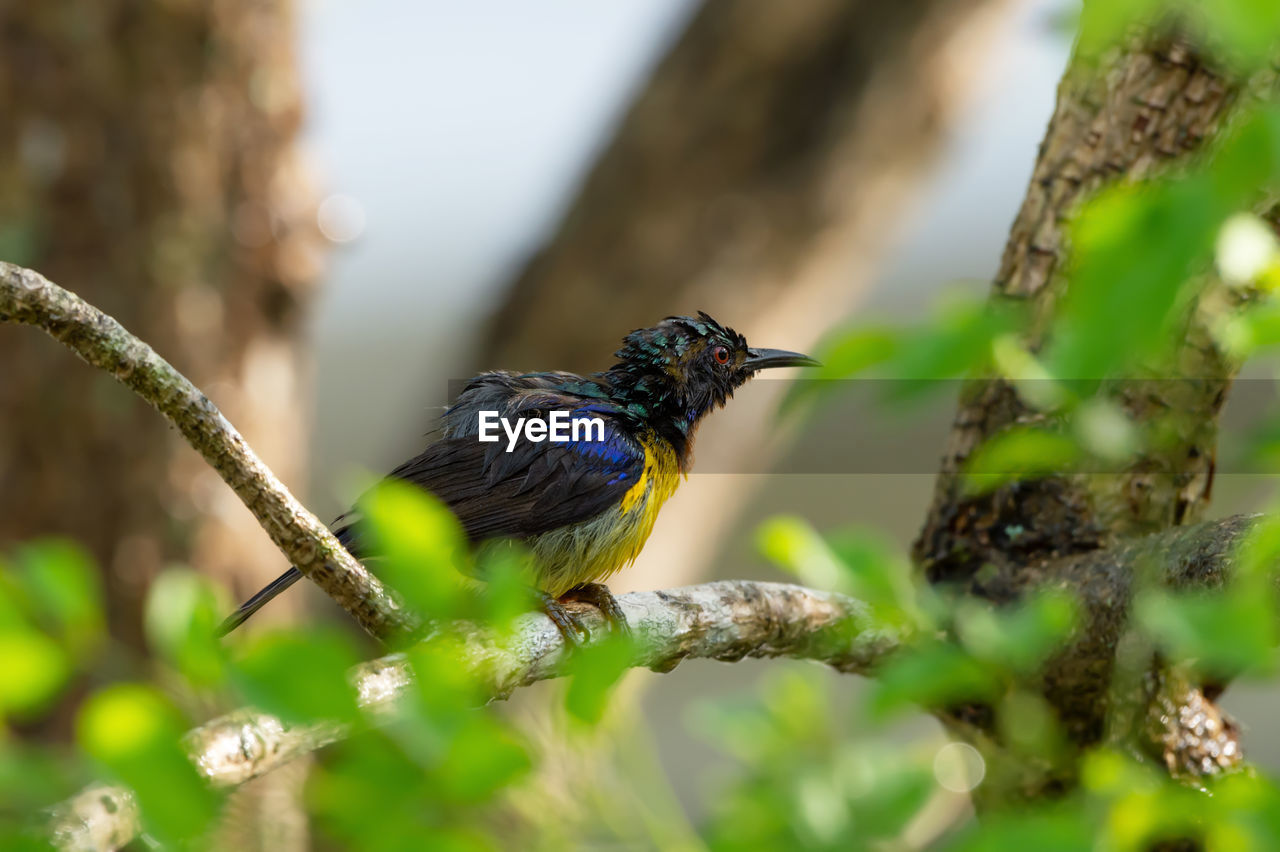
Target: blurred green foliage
{"x": 806, "y": 782}
{"x": 435, "y": 771}
{"x": 445, "y": 770}
{"x": 50, "y": 621}
{"x": 134, "y": 731}
{"x": 1241, "y": 32}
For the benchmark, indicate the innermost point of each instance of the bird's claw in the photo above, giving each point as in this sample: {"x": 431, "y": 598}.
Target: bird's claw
{"x": 599, "y": 596}
{"x": 569, "y": 625}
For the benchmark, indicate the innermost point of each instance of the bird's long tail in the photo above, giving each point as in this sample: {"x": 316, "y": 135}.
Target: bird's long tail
{"x": 258, "y": 601}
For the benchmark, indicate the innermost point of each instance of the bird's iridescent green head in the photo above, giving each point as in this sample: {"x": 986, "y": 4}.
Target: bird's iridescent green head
{"x": 684, "y": 367}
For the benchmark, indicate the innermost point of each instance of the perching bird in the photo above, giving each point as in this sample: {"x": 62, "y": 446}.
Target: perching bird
{"x": 583, "y": 508}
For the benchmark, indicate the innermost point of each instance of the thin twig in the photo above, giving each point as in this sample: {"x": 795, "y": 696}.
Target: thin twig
{"x": 28, "y": 297}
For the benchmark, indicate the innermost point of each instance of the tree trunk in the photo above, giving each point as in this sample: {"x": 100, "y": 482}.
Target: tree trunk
{"x": 150, "y": 163}
{"x": 1141, "y": 110}
{"x": 1147, "y": 107}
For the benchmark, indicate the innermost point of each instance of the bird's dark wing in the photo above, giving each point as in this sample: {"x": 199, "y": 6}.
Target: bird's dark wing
{"x": 534, "y": 488}
{"x": 495, "y": 494}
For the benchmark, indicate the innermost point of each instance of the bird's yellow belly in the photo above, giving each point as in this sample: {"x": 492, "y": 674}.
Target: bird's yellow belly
{"x": 592, "y": 551}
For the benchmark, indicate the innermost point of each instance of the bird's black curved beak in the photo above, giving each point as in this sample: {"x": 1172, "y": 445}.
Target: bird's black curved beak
{"x": 763, "y": 359}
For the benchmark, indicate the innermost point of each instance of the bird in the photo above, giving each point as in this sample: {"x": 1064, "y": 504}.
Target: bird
{"x": 583, "y": 506}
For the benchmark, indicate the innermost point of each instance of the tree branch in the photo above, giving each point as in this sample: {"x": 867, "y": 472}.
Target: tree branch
{"x": 28, "y": 297}
{"x": 726, "y": 620}
{"x": 1196, "y": 557}
{"x": 1176, "y": 721}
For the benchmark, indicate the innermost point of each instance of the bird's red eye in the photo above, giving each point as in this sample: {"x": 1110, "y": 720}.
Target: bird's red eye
{"x": 721, "y": 354}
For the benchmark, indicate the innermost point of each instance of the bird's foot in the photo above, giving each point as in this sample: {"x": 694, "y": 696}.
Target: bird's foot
{"x": 569, "y": 625}
{"x": 599, "y": 596}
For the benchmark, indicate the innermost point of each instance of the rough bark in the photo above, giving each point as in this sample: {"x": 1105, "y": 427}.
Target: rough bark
{"x": 28, "y": 297}
{"x": 149, "y": 157}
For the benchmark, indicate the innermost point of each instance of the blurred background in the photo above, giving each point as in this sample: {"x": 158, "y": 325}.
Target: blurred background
{"x": 324, "y": 214}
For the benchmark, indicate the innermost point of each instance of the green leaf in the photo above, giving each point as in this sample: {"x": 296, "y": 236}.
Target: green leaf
{"x": 1029, "y": 726}
{"x": 854, "y": 350}
{"x": 422, "y": 546}
{"x": 1246, "y": 159}
{"x": 957, "y": 344}
{"x": 368, "y": 776}
{"x": 886, "y": 789}
{"x": 508, "y": 591}
{"x": 1222, "y": 634}
{"x": 445, "y": 687}
{"x": 932, "y": 675}
{"x": 794, "y": 546}
{"x": 1243, "y": 32}
{"x": 802, "y": 783}
{"x": 13, "y": 606}
{"x": 793, "y": 713}
{"x": 1135, "y": 249}
{"x": 183, "y": 611}
{"x": 299, "y": 676}
{"x": 1248, "y": 28}
{"x": 135, "y": 732}
{"x": 484, "y": 756}
{"x": 1143, "y": 804}
{"x": 61, "y": 585}
{"x": 1021, "y": 452}
{"x": 1255, "y": 327}
{"x": 877, "y": 572}
{"x": 1104, "y": 23}
{"x": 33, "y": 671}
{"x": 1259, "y": 554}
{"x": 17, "y": 835}
{"x": 1247, "y": 813}
{"x": 843, "y": 355}
{"x": 855, "y": 562}
{"x": 1058, "y": 828}
{"x": 1018, "y": 637}
{"x": 34, "y": 776}
{"x": 594, "y": 670}
{"x": 1105, "y": 431}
